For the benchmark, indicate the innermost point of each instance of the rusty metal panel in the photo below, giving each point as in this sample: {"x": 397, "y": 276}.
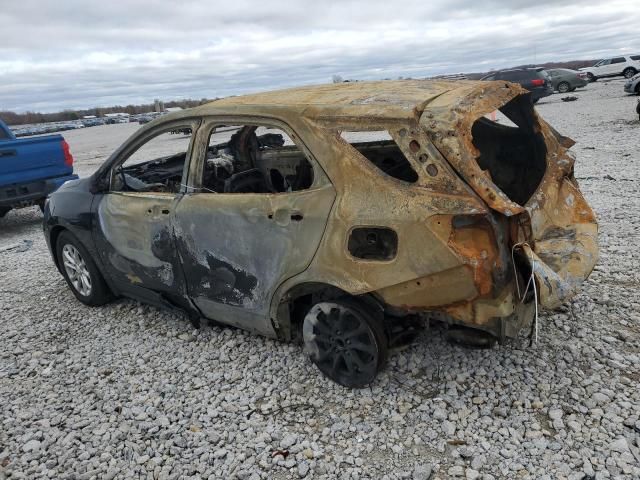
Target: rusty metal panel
{"x": 136, "y": 239}
{"x": 237, "y": 248}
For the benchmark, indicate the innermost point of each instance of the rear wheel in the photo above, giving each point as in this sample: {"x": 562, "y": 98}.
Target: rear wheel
{"x": 629, "y": 72}
{"x": 591, "y": 77}
{"x": 564, "y": 87}
{"x": 80, "y": 271}
{"x": 346, "y": 342}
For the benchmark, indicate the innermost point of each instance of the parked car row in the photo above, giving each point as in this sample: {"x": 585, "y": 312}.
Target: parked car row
{"x": 45, "y": 128}
{"x": 543, "y": 82}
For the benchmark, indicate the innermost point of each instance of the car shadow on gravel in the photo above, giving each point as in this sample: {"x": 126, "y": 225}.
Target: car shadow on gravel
{"x": 18, "y": 222}
{"x": 424, "y": 366}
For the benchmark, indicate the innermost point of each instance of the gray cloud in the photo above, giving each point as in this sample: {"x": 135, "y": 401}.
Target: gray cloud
{"x": 78, "y": 54}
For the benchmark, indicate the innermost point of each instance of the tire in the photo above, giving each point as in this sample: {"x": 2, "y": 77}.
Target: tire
{"x": 573, "y": 89}
{"x": 637, "y": 93}
{"x": 87, "y": 284}
{"x": 629, "y": 72}
{"x": 345, "y": 341}
{"x": 564, "y": 87}
{"x": 4, "y": 211}
{"x": 591, "y": 77}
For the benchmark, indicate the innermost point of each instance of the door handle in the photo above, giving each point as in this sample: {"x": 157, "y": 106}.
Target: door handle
{"x": 155, "y": 211}
{"x": 284, "y": 216}
{"x": 8, "y": 153}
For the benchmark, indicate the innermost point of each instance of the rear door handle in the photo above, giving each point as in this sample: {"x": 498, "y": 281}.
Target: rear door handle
{"x": 285, "y": 216}
{"x": 8, "y": 153}
{"x": 157, "y": 210}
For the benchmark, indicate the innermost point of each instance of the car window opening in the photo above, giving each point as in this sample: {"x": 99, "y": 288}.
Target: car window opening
{"x": 382, "y": 151}
{"x": 156, "y": 166}
{"x": 514, "y": 156}
{"x": 254, "y": 159}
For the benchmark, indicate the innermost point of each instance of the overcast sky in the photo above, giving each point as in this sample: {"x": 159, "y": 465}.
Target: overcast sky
{"x": 83, "y": 53}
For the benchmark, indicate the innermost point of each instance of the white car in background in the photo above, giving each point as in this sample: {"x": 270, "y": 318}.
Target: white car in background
{"x": 626, "y": 65}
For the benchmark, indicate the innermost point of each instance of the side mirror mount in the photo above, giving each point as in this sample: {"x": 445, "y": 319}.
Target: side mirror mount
{"x": 99, "y": 183}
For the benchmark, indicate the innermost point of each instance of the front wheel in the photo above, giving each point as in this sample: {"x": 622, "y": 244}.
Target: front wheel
{"x": 346, "y": 342}
{"x": 629, "y": 72}
{"x": 80, "y": 271}
{"x": 564, "y": 87}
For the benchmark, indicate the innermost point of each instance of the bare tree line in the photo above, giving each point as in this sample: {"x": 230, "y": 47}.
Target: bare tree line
{"x": 13, "y": 118}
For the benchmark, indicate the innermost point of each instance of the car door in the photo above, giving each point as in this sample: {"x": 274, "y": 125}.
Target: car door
{"x": 617, "y": 66}
{"x": 555, "y": 76}
{"x": 240, "y": 238}
{"x": 609, "y": 68}
{"x": 603, "y": 67}
{"x": 133, "y": 231}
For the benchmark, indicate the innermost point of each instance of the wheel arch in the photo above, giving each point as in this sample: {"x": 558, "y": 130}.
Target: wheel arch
{"x": 54, "y": 234}
{"x": 289, "y": 309}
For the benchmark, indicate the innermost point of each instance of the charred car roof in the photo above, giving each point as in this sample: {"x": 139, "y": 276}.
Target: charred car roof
{"x": 398, "y": 99}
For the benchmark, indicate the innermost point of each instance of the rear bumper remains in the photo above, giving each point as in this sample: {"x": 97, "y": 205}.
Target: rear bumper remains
{"x": 25, "y": 194}
{"x": 558, "y": 242}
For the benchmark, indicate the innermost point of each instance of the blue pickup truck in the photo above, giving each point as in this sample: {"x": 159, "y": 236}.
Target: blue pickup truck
{"x": 31, "y": 168}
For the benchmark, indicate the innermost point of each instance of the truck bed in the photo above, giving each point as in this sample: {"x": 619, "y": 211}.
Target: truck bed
{"x": 31, "y": 168}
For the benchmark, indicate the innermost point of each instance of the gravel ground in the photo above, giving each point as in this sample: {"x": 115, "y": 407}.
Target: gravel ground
{"x": 129, "y": 391}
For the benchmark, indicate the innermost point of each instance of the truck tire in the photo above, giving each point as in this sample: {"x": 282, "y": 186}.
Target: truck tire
{"x": 629, "y": 72}
{"x": 80, "y": 271}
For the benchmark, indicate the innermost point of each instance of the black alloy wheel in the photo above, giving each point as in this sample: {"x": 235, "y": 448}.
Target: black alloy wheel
{"x": 345, "y": 341}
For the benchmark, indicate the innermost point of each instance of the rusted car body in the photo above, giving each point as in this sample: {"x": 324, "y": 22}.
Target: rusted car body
{"x": 480, "y": 207}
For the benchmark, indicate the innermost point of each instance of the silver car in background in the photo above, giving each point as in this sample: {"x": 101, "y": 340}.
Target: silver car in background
{"x": 565, "y": 80}
{"x": 632, "y": 85}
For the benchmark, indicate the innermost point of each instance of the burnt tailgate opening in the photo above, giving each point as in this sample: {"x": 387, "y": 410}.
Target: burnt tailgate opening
{"x": 514, "y": 155}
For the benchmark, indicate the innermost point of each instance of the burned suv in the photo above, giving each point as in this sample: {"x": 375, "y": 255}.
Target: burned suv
{"x": 330, "y": 213}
